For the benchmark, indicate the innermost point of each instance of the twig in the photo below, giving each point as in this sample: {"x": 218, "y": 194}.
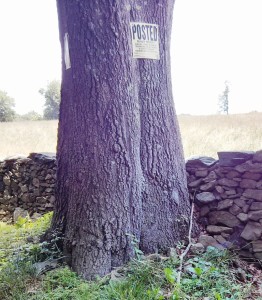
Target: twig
{"x": 181, "y": 257}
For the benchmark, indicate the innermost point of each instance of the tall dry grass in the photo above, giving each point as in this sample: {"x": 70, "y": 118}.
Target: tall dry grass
{"x": 201, "y": 135}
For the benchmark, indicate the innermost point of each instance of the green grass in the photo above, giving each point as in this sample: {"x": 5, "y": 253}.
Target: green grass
{"x": 207, "y": 275}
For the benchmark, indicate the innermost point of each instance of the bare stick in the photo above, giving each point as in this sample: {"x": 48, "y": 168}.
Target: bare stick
{"x": 181, "y": 257}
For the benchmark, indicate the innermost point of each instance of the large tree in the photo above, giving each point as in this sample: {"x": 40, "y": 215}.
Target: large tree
{"x": 7, "y": 104}
{"x": 52, "y": 99}
{"x": 121, "y": 173}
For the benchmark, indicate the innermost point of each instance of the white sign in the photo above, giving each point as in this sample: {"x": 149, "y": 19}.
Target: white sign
{"x": 66, "y": 52}
{"x": 145, "y": 40}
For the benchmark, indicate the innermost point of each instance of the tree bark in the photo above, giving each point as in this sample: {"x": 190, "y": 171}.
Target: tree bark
{"x": 121, "y": 171}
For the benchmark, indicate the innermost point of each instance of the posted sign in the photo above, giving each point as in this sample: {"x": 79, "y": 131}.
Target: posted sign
{"x": 145, "y": 40}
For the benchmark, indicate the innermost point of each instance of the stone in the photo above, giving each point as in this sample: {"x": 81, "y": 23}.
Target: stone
{"x": 197, "y": 248}
{"x": 207, "y": 241}
{"x": 248, "y": 184}
{"x": 208, "y": 186}
{"x": 19, "y": 212}
{"x": 219, "y": 189}
{"x": 224, "y": 204}
{"x": 24, "y": 188}
{"x": 257, "y": 246}
{"x": 213, "y": 229}
{"x": 2, "y": 212}
{"x": 253, "y": 176}
{"x": 242, "y": 217}
{"x": 227, "y": 182}
{"x": 258, "y": 156}
{"x": 235, "y": 210}
{"x": 232, "y": 174}
{"x": 259, "y": 185}
{"x": 258, "y": 255}
{"x": 256, "y": 206}
{"x": 36, "y": 182}
{"x": 201, "y": 173}
{"x": 249, "y": 167}
{"x": 240, "y": 202}
{"x": 211, "y": 176}
{"x": 204, "y": 211}
{"x": 231, "y": 159}
{"x": 7, "y": 180}
{"x": 255, "y": 215}
{"x": 253, "y": 194}
{"x": 245, "y": 208}
{"x": 252, "y": 231}
{"x": 205, "y": 197}
{"x": 223, "y": 217}
{"x": 200, "y": 161}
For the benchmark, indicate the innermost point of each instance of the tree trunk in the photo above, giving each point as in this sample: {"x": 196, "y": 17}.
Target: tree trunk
{"x": 121, "y": 171}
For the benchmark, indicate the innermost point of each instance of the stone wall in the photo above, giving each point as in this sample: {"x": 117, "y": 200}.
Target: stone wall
{"x": 27, "y": 183}
{"x": 228, "y": 195}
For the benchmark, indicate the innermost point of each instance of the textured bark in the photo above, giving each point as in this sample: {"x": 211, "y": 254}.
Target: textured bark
{"x": 121, "y": 169}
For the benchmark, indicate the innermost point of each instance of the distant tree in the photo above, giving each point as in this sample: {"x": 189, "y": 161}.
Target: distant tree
{"x": 7, "y": 113}
{"x": 223, "y": 103}
{"x": 30, "y": 116}
{"x": 52, "y": 99}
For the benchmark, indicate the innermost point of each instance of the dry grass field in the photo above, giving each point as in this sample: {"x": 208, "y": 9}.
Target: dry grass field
{"x": 201, "y": 135}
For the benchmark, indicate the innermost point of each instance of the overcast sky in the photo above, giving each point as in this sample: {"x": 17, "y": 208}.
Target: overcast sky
{"x": 213, "y": 41}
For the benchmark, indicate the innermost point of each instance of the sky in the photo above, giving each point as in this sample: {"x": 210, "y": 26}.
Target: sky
{"x": 212, "y": 41}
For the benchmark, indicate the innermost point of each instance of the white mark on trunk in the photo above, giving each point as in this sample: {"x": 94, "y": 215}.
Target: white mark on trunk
{"x": 66, "y": 52}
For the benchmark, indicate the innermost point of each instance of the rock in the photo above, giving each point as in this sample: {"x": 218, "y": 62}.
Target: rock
{"x": 240, "y": 202}
{"x": 205, "y": 197}
{"x": 258, "y": 156}
{"x": 224, "y": 204}
{"x": 36, "y": 182}
{"x": 242, "y": 217}
{"x": 213, "y": 229}
{"x": 252, "y": 231}
{"x": 219, "y": 189}
{"x": 7, "y": 180}
{"x": 208, "y": 186}
{"x": 253, "y": 176}
{"x": 2, "y": 212}
{"x": 36, "y": 216}
{"x": 24, "y": 188}
{"x": 249, "y": 167}
{"x": 235, "y": 210}
{"x": 232, "y": 174}
{"x": 245, "y": 208}
{"x": 200, "y": 161}
{"x": 19, "y": 212}
{"x": 257, "y": 246}
{"x": 223, "y": 217}
{"x": 227, "y": 182}
{"x": 258, "y": 255}
{"x": 197, "y": 248}
{"x": 207, "y": 241}
{"x": 204, "y": 211}
{"x": 201, "y": 173}
{"x": 231, "y": 159}
{"x": 253, "y": 194}
{"x": 248, "y": 184}
{"x": 255, "y": 215}
{"x": 211, "y": 177}
{"x": 256, "y": 206}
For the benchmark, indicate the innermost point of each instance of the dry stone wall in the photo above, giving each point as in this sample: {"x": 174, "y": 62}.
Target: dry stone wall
{"x": 228, "y": 195}
{"x": 27, "y": 185}
{"x": 227, "y": 192}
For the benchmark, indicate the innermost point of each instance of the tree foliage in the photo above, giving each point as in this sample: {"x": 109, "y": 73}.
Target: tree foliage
{"x": 30, "y": 116}
{"x": 7, "y": 104}
{"x": 223, "y": 103}
{"x": 52, "y": 99}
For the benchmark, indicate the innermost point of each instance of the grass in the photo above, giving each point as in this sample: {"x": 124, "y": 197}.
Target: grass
{"x": 209, "y": 275}
{"x": 201, "y": 135}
